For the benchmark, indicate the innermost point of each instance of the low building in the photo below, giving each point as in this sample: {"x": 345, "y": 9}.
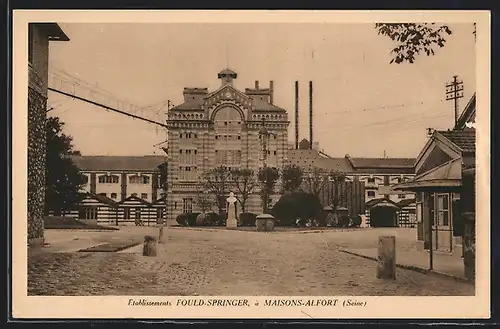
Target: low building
{"x": 122, "y": 189}
{"x": 444, "y": 195}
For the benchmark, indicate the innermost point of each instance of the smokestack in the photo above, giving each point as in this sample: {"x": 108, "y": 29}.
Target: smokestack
{"x": 257, "y": 84}
{"x": 271, "y": 90}
{"x": 311, "y": 114}
{"x": 296, "y": 115}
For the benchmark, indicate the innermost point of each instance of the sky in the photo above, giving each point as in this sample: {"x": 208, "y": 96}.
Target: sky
{"x": 363, "y": 105}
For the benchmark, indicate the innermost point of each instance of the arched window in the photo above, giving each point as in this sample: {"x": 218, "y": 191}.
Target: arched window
{"x": 138, "y": 179}
{"x": 111, "y": 179}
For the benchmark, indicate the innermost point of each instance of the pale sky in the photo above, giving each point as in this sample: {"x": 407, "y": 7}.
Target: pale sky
{"x": 363, "y": 105}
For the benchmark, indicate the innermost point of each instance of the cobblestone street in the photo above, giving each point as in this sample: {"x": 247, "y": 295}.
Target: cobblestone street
{"x": 229, "y": 263}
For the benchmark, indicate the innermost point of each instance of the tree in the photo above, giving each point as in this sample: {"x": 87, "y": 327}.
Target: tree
{"x": 338, "y": 178}
{"x": 217, "y": 182}
{"x": 244, "y": 185}
{"x": 203, "y": 201}
{"x": 291, "y": 177}
{"x": 413, "y": 39}
{"x": 316, "y": 181}
{"x": 268, "y": 176}
{"x": 63, "y": 178}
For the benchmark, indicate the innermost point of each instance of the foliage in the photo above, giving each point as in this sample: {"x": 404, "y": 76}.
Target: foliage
{"x": 316, "y": 181}
{"x": 204, "y": 201}
{"x": 187, "y": 219}
{"x": 355, "y": 221}
{"x": 244, "y": 185}
{"x": 291, "y": 177}
{"x": 413, "y": 38}
{"x": 182, "y": 219}
{"x": 247, "y": 219}
{"x": 213, "y": 219}
{"x": 63, "y": 178}
{"x": 217, "y": 182}
{"x": 295, "y": 205}
{"x": 268, "y": 176}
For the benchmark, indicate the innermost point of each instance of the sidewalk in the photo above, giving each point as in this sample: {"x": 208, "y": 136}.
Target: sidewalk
{"x": 448, "y": 265}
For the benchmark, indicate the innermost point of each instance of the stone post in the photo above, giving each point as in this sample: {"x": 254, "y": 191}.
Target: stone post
{"x": 160, "y": 235}
{"x": 149, "y": 248}
{"x": 386, "y": 260}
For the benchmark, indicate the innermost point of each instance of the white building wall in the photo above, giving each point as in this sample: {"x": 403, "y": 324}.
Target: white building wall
{"x": 138, "y": 188}
{"x": 108, "y": 188}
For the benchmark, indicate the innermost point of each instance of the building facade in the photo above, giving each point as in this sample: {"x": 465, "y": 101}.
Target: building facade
{"x": 122, "y": 189}
{"x": 221, "y": 128}
{"x": 39, "y": 36}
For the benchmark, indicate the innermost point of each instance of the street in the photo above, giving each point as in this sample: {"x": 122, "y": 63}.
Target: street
{"x": 220, "y": 262}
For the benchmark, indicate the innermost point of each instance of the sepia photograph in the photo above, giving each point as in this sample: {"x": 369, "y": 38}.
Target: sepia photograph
{"x": 260, "y": 163}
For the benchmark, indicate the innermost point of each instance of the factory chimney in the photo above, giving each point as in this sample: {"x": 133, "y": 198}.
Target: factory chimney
{"x": 296, "y": 115}
{"x": 271, "y": 92}
{"x": 311, "y": 114}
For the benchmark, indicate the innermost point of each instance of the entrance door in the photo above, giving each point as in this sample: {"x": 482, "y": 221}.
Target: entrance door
{"x": 442, "y": 232}
{"x": 138, "y": 220}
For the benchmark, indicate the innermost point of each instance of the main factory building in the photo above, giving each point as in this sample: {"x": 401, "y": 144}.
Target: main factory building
{"x": 221, "y": 128}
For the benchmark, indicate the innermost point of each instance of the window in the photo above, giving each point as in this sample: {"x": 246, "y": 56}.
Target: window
{"x": 133, "y": 194}
{"x": 111, "y": 179}
{"x": 102, "y": 194}
{"x": 275, "y": 153}
{"x": 136, "y": 179}
{"x": 113, "y": 196}
{"x": 401, "y": 196}
{"x": 87, "y": 212}
{"x": 85, "y": 179}
{"x": 443, "y": 209}
{"x": 187, "y": 205}
{"x": 239, "y": 137}
{"x": 180, "y": 135}
{"x": 180, "y": 151}
{"x": 371, "y": 180}
{"x": 370, "y": 194}
{"x": 144, "y": 196}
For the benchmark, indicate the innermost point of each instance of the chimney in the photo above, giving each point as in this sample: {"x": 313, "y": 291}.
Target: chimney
{"x": 271, "y": 92}
{"x": 257, "y": 84}
{"x": 296, "y": 115}
{"x": 310, "y": 113}
{"x": 430, "y": 131}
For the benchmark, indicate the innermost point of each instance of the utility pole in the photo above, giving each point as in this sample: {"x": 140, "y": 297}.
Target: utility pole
{"x": 454, "y": 91}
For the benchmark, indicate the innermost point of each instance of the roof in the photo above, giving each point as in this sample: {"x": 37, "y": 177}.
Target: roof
{"x": 264, "y": 106}
{"x": 110, "y": 163}
{"x": 381, "y": 202}
{"x": 101, "y": 198}
{"x": 406, "y": 202}
{"x": 468, "y": 114}
{"x": 188, "y": 106}
{"x": 227, "y": 71}
{"x": 307, "y": 158}
{"x": 53, "y": 31}
{"x": 135, "y": 198}
{"x": 464, "y": 139}
{"x": 449, "y": 174}
{"x": 382, "y": 162}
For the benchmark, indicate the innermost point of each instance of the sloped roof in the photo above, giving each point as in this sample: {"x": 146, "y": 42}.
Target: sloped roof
{"x": 464, "y": 139}
{"x": 381, "y": 202}
{"x": 227, "y": 71}
{"x": 406, "y": 202}
{"x": 110, "y": 163}
{"x": 382, "y": 162}
{"x": 468, "y": 114}
{"x": 135, "y": 198}
{"x": 449, "y": 174}
{"x": 100, "y": 198}
{"x": 264, "y": 106}
{"x": 311, "y": 158}
{"x": 188, "y": 106}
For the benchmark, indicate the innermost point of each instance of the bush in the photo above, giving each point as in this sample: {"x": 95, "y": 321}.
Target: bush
{"x": 355, "y": 221}
{"x": 296, "y": 205}
{"x": 212, "y": 219}
{"x": 182, "y": 219}
{"x": 321, "y": 218}
{"x": 344, "y": 221}
{"x": 247, "y": 219}
{"x": 191, "y": 218}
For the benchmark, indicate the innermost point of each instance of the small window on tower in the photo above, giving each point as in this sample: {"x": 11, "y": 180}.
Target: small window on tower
{"x": 180, "y": 151}
{"x": 239, "y": 137}
{"x": 274, "y": 152}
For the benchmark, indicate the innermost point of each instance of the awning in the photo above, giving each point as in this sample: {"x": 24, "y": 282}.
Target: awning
{"x": 446, "y": 175}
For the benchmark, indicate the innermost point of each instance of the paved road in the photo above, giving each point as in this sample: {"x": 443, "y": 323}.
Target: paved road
{"x": 233, "y": 263}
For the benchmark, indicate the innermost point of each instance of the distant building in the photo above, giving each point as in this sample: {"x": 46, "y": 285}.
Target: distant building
{"x": 382, "y": 205}
{"x": 39, "y": 36}
{"x": 122, "y": 189}
{"x": 221, "y": 128}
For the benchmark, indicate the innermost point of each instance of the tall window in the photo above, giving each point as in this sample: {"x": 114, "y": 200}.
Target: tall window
{"x": 87, "y": 212}
{"x": 370, "y": 194}
{"x": 144, "y": 196}
{"x": 113, "y": 196}
{"x": 187, "y": 205}
{"x": 136, "y": 179}
{"x": 443, "y": 209}
{"x": 111, "y": 179}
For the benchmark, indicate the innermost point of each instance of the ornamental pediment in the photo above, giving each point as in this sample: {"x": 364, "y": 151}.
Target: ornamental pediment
{"x": 227, "y": 94}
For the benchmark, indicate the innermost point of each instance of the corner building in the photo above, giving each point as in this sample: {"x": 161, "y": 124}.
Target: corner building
{"x": 221, "y": 128}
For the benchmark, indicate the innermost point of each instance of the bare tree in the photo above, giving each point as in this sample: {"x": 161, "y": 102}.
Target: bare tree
{"x": 217, "y": 182}
{"x": 268, "y": 176}
{"x": 204, "y": 200}
{"x": 338, "y": 178}
{"x": 316, "y": 181}
{"x": 291, "y": 177}
{"x": 244, "y": 183}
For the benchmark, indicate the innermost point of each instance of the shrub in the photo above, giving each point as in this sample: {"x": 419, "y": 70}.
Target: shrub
{"x": 201, "y": 219}
{"x": 321, "y": 218}
{"x": 344, "y": 221}
{"x": 212, "y": 219}
{"x": 191, "y": 218}
{"x": 247, "y": 219}
{"x": 355, "y": 221}
{"x": 182, "y": 220}
{"x": 296, "y": 205}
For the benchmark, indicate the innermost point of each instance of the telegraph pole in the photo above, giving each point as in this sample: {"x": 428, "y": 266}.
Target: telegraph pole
{"x": 455, "y": 91}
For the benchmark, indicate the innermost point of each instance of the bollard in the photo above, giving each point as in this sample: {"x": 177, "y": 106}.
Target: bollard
{"x": 149, "y": 248}
{"x": 386, "y": 260}
{"x": 160, "y": 235}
